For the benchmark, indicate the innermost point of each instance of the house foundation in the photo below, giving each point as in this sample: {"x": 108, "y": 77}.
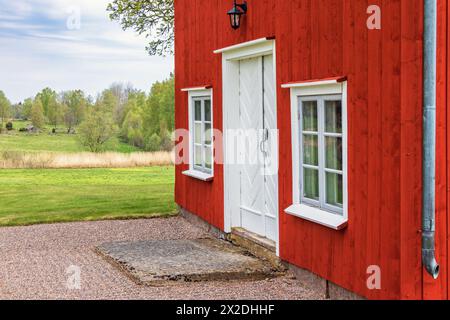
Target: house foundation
{"x": 260, "y": 249}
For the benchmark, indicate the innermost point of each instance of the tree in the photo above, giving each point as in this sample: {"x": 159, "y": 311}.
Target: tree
{"x": 37, "y": 114}
{"x": 54, "y": 113}
{"x": 48, "y": 99}
{"x": 107, "y": 101}
{"x": 136, "y": 101}
{"x": 74, "y": 105}
{"x": 96, "y": 130}
{"x": 5, "y": 109}
{"x": 132, "y": 129}
{"x": 153, "y": 18}
{"x": 159, "y": 112}
{"x": 17, "y": 111}
{"x": 26, "y": 108}
{"x": 122, "y": 93}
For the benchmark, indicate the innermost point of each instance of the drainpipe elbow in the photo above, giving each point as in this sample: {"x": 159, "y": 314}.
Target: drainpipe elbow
{"x": 429, "y": 255}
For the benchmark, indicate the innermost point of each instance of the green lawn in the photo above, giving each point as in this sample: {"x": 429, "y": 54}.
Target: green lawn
{"x": 45, "y": 142}
{"x": 47, "y": 196}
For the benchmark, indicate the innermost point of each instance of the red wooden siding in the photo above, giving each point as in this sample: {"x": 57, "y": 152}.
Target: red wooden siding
{"x": 318, "y": 39}
{"x": 446, "y": 67}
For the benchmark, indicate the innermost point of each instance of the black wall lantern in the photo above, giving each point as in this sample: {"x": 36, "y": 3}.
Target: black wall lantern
{"x": 236, "y": 14}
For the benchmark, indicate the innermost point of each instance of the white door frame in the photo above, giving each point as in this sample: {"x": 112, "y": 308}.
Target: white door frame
{"x": 230, "y": 79}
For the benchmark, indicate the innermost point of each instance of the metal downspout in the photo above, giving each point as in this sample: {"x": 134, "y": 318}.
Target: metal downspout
{"x": 429, "y": 139}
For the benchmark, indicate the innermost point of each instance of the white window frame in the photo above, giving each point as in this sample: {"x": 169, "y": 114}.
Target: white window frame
{"x": 317, "y": 212}
{"x": 195, "y": 94}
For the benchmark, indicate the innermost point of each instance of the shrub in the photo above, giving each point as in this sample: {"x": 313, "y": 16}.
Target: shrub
{"x": 166, "y": 143}
{"x": 135, "y": 138}
{"x": 9, "y": 126}
{"x": 132, "y": 131}
{"x": 153, "y": 143}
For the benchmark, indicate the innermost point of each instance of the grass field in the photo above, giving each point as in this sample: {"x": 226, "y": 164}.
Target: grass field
{"x": 45, "y": 142}
{"x": 62, "y": 195}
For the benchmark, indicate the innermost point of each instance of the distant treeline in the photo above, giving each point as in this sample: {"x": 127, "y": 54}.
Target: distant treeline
{"x": 143, "y": 120}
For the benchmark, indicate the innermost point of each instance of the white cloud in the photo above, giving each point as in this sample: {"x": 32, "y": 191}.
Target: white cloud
{"x": 39, "y": 50}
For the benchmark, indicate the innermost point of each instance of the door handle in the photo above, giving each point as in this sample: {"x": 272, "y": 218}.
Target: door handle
{"x": 261, "y": 147}
{"x": 263, "y": 141}
{"x": 266, "y": 135}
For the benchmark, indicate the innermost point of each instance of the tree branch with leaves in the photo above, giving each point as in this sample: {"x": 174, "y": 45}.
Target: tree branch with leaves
{"x": 152, "y": 18}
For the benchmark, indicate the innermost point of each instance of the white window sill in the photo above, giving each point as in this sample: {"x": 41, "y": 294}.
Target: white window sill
{"x": 199, "y": 175}
{"x": 318, "y": 216}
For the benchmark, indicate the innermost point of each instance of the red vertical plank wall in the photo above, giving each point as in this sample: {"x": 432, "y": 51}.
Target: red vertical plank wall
{"x": 447, "y": 85}
{"x": 411, "y": 150}
{"x": 318, "y": 39}
{"x": 448, "y": 140}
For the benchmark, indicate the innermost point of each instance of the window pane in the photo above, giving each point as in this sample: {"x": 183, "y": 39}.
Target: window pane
{"x": 198, "y": 110}
{"x": 334, "y": 189}
{"x": 333, "y": 153}
{"x": 208, "y": 134}
{"x": 208, "y": 110}
{"x": 309, "y": 116}
{"x": 208, "y": 157}
{"x": 198, "y": 156}
{"x": 311, "y": 150}
{"x": 333, "y": 116}
{"x": 311, "y": 184}
{"x": 198, "y": 133}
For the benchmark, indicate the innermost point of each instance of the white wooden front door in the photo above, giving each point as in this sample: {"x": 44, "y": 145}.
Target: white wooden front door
{"x": 258, "y": 120}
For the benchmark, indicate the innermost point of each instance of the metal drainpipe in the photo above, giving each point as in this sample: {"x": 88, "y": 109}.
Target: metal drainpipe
{"x": 429, "y": 139}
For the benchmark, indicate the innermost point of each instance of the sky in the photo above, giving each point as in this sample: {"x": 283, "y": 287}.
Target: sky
{"x": 70, "y": 44}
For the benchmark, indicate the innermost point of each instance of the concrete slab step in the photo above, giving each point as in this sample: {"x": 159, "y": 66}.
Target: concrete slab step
{"x": 258, "y": 246}
{"x": 165, "y": 262}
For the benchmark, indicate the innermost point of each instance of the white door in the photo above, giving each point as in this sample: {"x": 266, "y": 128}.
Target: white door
{"x": 258, "y": 173}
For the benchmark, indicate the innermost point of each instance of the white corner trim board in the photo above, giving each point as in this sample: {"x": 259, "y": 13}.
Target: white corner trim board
{"x": 199, "y": 175}
{"x": 318, "y": 216}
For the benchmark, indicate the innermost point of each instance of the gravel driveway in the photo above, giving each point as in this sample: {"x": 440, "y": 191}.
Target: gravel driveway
{"x": 34, "y": 262}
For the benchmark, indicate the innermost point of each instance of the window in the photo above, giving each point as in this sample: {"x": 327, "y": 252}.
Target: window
{"x": 201, "y": 164}
{"x": 202, "y": 140}
{"x": 321, "y": 135}
{"x": 319, "y": 152}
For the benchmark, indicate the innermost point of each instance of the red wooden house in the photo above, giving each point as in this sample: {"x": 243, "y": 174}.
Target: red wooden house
{"x": 331, "y": 97}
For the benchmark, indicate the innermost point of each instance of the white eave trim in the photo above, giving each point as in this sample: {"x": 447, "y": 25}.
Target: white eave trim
{"x": 315, "y": 215}
{"x": 243, "y": 45}
{"x": 196, "y": 88}
{"x": 311, "y": 83}
{"x": 199, "y": 175}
